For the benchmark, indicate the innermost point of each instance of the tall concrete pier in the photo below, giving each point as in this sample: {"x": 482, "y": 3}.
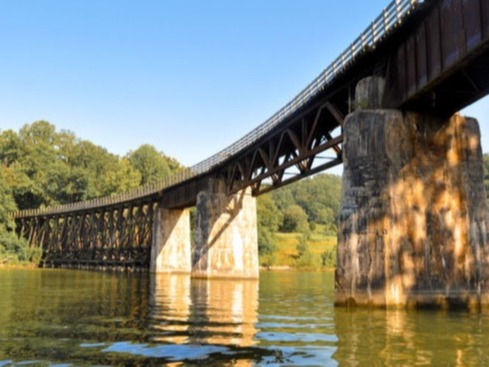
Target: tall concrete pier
{"x": 225, "y": 237}
{"x": 413, "y": 220}
{"x": 170, "y": 251}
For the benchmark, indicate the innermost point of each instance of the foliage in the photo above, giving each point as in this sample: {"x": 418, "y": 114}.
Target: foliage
{"x": 306, "y": 258}
{"x": 151, "y": 164}
{"x": 12, "y": 248}
{"x": 7, "y": 203}
{"x": 309, "y": 207}
{"x": 319, "y": 197}
{"x": 328, "y": 258}
{"x": 308, "y": 261}
{"x": 45, "y": 167}
{"x": 269, "y": 219}
{"x": 295, "y": 219}
{"x": 303, "y": 245}
{"x": 123, "y": 178}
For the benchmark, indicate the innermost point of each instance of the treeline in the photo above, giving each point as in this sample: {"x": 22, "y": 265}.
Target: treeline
{"x": 44, "y": 167}
{"x": 40, "y": 166}
{"x": 302, "y": 208}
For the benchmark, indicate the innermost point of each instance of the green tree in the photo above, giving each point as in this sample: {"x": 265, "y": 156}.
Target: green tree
{"x": 9, "y": 147}
{"x": 269, "y": 220}
{"x": 303, "y": 245}
{"x": 306, "y": 259}
{"x": 90, "y": 165}
{"x": 295, "y": 219}
{"x": 123, "y": 177}
{"x": 151, "y": 164}
{"x": 33, "y": 171}
{"x": 328, "y": 258}
{"x": 12, "y": 248}
{"x": 319, "y": 197}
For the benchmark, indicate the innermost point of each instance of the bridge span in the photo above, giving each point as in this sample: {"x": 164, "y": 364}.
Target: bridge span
{"x": 413, "y": 217}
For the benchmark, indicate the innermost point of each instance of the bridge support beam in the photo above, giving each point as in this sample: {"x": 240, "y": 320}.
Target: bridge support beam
{"x": 225, "y": 236}
{"x": 170, "y": 251}
{"x": 413, "y": 221}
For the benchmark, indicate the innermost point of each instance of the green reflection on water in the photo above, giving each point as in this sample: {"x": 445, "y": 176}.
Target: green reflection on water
{"x": 288, "y": 318}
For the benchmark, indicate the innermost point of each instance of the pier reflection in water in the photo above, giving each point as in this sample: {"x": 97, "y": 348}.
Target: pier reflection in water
{"x": 198, "y": 311}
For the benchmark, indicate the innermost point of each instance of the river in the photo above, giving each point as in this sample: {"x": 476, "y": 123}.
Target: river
{"x": 87, "y": 318}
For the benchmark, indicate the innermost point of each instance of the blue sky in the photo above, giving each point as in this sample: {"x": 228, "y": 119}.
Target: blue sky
{"x": 187, "y": 76}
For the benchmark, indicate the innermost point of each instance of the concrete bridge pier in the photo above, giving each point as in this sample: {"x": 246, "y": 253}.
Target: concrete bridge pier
{"x": 225, "y": 235}
{"x": 414, "y": 224}
{"x": 170, "y": 251}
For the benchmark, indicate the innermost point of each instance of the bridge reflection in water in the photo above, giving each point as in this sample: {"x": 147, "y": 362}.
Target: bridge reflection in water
{"x": 398, "y": 337}
{"x": 201, "y": 311}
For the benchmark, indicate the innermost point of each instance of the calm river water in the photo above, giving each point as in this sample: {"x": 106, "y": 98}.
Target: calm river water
{"x": 83, "y": 318}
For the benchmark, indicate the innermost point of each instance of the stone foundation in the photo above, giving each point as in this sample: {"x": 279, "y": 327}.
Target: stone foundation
{"x": 225, "y": 237}
{"x": 413, "y": 220}
{"x": 170, "y": 252}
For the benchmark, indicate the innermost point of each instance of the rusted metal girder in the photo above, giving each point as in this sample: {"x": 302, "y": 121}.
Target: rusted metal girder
{"x": 291, "y": 150}
{"x": 442, "y": 64}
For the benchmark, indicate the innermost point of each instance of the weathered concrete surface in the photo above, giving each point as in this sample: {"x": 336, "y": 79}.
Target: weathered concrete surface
{"x": 413, "y": 221}
{"x": 170, "y": 251}
{"x": 225, "y": 236}
{"x": 369, "y": 93}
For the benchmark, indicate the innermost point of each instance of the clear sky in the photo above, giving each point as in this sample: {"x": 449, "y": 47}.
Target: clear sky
{"x": 187, "y": 76}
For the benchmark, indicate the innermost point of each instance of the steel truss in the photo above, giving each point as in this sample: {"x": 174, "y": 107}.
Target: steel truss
{"x": 290, "y": 153}
{"x": 115, "y": 237}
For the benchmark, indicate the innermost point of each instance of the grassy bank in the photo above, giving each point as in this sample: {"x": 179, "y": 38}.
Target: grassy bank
{"x": 321, "y": 251}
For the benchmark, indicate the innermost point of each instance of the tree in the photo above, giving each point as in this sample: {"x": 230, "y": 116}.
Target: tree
{"x": 319, "y": 197}
{"x": 123, "y": 177}
{"x": 295, "y": 219}
{"x": 12, "y": 248}
{"x": 9, "y": 147}
{"x": 151, "y": 164}
{"x": 90, "y": 164}
{"x": 269, "y": 220}
{"x": 7, "y": 203}
{"x": 303, "y": 245}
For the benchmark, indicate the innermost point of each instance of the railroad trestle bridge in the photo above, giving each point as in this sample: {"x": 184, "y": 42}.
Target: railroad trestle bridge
{"x": 412, "y": 173}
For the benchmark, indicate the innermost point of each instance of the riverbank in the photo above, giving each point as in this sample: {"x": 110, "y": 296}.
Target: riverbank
{"x": 320, "y": 252}
{"x": 8, "y": 266}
